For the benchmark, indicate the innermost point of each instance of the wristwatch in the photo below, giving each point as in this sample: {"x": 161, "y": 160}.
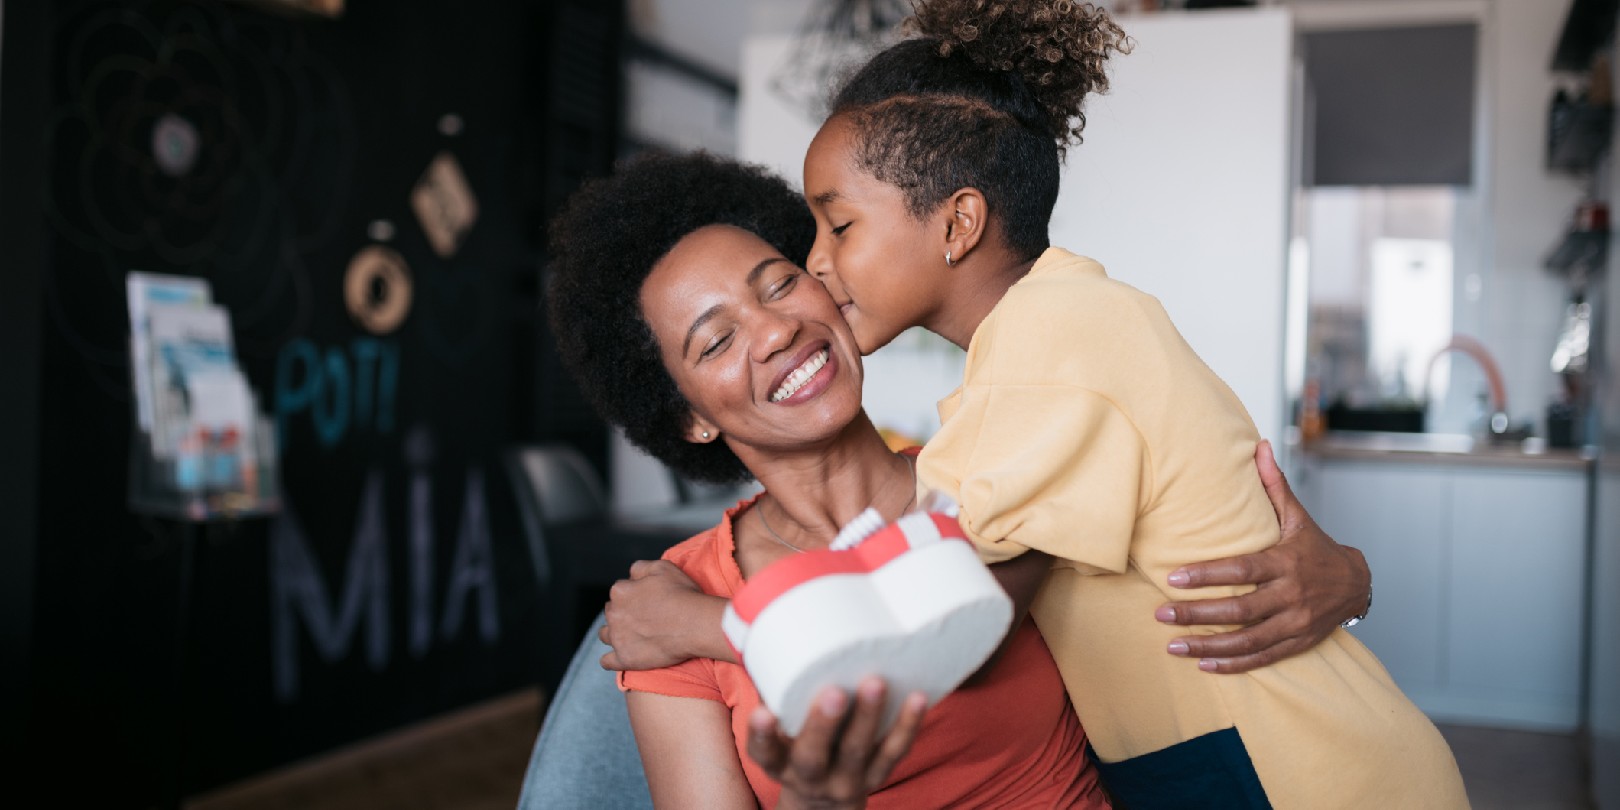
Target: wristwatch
{"x": 1356, "y": 619}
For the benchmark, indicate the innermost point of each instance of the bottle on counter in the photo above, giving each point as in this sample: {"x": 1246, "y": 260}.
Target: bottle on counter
{"x": 1312, "y": 424}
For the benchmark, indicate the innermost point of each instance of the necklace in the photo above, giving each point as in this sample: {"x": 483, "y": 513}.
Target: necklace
{"x": 778, "y": 538}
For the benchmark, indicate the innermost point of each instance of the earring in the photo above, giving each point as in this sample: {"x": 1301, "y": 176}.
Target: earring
{"x": 948, "y": 262}
{"x": 705, "y": 434}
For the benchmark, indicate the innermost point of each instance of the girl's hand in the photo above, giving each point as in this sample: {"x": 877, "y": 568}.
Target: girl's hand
{"x": 838, "y": 758}
{"x": 658, "y": 618}
{"x": 1305, "y": 586}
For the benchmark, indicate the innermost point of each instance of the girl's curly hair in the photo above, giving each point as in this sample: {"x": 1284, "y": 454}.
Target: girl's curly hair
{"x": 1058, "y": 48}
{"x": 987, "y": 94}
{"x": 604, "y": 244}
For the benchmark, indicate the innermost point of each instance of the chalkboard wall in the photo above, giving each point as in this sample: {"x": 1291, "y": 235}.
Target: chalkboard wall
{"x": 396, "y": 583}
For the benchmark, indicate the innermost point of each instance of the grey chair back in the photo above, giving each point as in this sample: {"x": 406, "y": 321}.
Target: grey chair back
{"x": 565, "y": 486}
{"x": 585, "y": 757}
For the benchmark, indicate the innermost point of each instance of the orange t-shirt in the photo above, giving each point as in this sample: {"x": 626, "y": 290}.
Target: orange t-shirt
{"x": 1011, "y": 741}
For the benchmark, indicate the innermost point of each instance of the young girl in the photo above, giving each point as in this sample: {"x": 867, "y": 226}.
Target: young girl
{"x": 1086, "y": 428}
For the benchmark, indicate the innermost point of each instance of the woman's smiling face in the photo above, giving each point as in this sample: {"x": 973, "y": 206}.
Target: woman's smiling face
{"x": 753, "y": 342}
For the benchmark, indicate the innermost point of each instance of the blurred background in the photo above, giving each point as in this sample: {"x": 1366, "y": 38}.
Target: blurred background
{"x": 299, "y": 509}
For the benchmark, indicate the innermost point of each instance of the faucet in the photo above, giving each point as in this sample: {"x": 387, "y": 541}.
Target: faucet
{"x": 1499, "y": 422}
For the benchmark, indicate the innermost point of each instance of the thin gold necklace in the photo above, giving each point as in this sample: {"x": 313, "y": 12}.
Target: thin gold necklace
{"x": 778, "y": 538}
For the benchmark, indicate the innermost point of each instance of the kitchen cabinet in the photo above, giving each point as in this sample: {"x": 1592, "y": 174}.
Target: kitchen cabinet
{"x": 1603, "y": 673}
{"x": 1479, "y": 577}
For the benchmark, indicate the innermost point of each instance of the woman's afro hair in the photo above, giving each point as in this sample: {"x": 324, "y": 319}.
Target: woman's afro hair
{"x": 605, "y": 242}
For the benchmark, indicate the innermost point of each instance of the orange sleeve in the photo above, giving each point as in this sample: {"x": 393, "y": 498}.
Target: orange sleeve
{"x": 693, "y": 679}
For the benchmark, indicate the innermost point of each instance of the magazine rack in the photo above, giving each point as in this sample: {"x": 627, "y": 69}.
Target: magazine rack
{"x": 214, "y": 478}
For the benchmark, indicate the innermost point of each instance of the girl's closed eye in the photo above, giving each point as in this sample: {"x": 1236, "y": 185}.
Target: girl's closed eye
{"x": 839, "y": 230}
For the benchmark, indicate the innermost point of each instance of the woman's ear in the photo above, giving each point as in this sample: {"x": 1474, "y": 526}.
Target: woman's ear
{"x": 701, "y": 431}
{"x": 965, "y": 213}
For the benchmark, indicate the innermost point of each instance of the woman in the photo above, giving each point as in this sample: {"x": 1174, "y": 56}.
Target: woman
{"x": 680, "y": 309}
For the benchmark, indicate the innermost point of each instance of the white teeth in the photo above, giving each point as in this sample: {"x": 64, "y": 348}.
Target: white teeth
{"x": 800, "y": 376}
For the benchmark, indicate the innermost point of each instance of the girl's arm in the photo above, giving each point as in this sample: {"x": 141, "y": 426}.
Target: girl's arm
{"x": 1306, "y": 585}
{"x": 688, "y": 752}
{"x": 658, "y": 618}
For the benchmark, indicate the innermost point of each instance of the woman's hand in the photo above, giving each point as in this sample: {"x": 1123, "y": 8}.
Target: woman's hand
{"x": 838, "y": 758}
{"x": 1305, "y": 586}
{"x": 658, "y": 618}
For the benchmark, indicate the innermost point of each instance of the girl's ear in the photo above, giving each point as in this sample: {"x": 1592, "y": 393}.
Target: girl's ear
{"x": 965, "y": 214}
{"x": 700, "y": 430}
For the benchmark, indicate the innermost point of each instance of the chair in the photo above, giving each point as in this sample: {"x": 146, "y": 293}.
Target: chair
{"x": 585, "y": 756}
{"x": 576, "y": 546}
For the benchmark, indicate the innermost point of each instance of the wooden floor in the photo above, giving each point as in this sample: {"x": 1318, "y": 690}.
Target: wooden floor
{"x": 475, "y": 760}
{"x": 1507, "y": 770}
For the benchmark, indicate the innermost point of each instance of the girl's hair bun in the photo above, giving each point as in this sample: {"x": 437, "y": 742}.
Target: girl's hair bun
{"x": 1059, "y": 49}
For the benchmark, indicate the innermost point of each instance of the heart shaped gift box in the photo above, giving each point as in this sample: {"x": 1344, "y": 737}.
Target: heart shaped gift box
{"x": 910, "y": 603}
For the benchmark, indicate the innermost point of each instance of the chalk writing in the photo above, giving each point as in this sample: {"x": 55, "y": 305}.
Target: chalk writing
{"x": 337, "y": 388}
{"x": 297, "y": 591}
{"x": 299, "y": 595}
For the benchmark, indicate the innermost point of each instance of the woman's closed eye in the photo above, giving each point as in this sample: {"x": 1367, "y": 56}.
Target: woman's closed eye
{"x": 716, "y": 345}
{"x": 783, "y": 286}
{"x": 839, "y": 230}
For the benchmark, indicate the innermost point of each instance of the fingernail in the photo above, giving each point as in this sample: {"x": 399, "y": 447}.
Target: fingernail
{"x": 1179, "y": 578}
{"x": 1165, "y": 613}
{"x": 832, "y": 701}
{"x": 1207, "y": 664}
{"x": 871, "y": 690}
{"x": 1177, "y": 647}
{"x": 761, "y": 719}
{"x": 917, "y": 701}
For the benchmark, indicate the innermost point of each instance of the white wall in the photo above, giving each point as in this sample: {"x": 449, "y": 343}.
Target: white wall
{"x": 674, "y": 112}
{"x": 1181, "y": 187}
{"x": 771, "y": 130}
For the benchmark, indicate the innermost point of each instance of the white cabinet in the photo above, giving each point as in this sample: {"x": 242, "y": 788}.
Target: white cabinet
{"x": 1479, "y": 581}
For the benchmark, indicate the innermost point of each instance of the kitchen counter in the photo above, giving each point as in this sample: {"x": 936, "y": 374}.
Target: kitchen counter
{"x": 1448, "y": 448}
{"x": 1480, "y": 557}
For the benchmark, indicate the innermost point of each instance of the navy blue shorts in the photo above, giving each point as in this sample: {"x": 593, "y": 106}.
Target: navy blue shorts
{"x": 1212, "y": 771}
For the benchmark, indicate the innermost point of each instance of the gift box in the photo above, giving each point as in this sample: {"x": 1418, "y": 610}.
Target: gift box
{"x": 909, "y": 602}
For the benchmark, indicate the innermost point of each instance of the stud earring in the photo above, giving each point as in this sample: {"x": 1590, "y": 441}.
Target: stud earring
{"x": 705, "y": 434}
{"x": 948, "y": 262}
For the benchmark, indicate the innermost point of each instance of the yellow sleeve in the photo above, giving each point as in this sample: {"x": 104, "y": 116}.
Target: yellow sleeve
{"x": 1055, "y": 468}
